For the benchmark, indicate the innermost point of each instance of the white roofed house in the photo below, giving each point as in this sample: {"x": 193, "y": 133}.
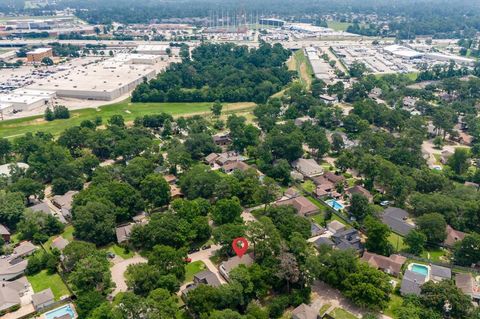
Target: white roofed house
{"x": 307, "y": 167}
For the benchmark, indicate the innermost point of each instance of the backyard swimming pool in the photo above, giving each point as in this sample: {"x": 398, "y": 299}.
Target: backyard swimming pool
{"x": 59, "y": 312}
{"x": 334, "y": 204}
{"x": 419, "y": 269}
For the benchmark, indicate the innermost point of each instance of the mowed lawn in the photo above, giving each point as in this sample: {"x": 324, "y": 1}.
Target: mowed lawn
{"x": 130, "y": 111}
{"x": 43, "y": 280}
{"x": 193, "y": 268}
{"x": 338, "y": 26}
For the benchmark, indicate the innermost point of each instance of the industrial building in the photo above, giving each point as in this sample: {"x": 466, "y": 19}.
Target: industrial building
{"x": 22, "y": 102}
{"x": 272, "y": 22}
{"x": 321, "y": 69}
{"x": 402, "y": 52}
{"x": 37, "y": 55}
{"x": 133, "y": 58}
{"x": 446, "y": 58}
{"x": 105, "y": 81}
{"x": 155, "y": 49}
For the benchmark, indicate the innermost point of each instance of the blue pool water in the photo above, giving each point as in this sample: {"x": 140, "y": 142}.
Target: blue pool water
{"x": 420, "y": 269}
{"x": 334, "y": 204}
{"x": 56, "y": 313}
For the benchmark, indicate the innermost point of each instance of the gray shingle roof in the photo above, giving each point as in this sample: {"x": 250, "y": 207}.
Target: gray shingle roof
{"x": 44, "y": 296}
{"x": 442, "y": 272}
{"x": 411, "y": 283}
{"x": 395, "y": 218}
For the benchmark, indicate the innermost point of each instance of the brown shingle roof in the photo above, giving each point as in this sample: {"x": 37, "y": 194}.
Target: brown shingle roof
{"x": 303, "y": 206}
{"x": 388, "y": 264}
{"x": 453, "y": 236}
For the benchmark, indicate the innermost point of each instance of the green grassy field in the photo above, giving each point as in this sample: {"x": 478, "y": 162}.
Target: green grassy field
{"x": 397, "y": 242}
{"x": 339, "y": 313}
{"x": 130, "y": 111}
{"x": 120, "y": 251}
{"x": 43, "y": 280}
{"x": 394, "y": 304}
{"x": 193, "y": 268}
{"x": 304, "y": 68}
{"x": 67, "y": 234}
{"x": 338, "y": 26}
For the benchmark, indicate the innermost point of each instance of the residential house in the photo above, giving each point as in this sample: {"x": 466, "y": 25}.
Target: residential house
{"x": 5, "y": 233}
{"x": 64, "y": 203}
{"x": 453, "y": 236}
{"x": 59, "y": 243}
{"x": 296, "y": 176}
{"x": 391, "y": 265}
{"x": 303, "y": 206}
{"x": 329, "y": 99}
{"x": 348, "y": 239}
{"x": 24, "y": 249}
{"x": 233, "y": 166}
{"x": 316, "y": 230}
{"x": 206, "y": 277}
{"x": 323, "y": 241}
{"x": 335, "y": 227}
{"x": 334, "y": 178}
{"x": 357, "y": 189}
{"x": 308, "y": 167}
{"x": 42, "y": 207}
{"x": 123, "y": 233}
{"x": 304, "y": 312}
{"x": 444, "y": 156}
{"x": 43, "y": 299}
{"x": 233, "y": 262}
{"x": 175, "y": 192}
{"x": 412, "y": 283}
{"x": 409, "y": 102}
{"x": 6, "y": 169}
{"x": 9, "y": 298}
{"x": 170, "y": 178}
{"x": 375, "y": 93}
{"x": 302, "y": 120}
{"x": 221, "y": 159}
{"x": 222, "y": 139}
{"x": 12, "y": 268}
{"x": 291, "y": 193}
{"x": 467, "y": 284}
{"x": 398, "y": 220}
{"x": 439, "y": 273}
{"x": 11, "y": 292}
{"x": 326, "y": 189}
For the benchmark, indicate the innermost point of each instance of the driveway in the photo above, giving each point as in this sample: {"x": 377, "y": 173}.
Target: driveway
{"x": 324, "y": 294}
{"x": 120, "y": 267}
{"x": 118, "y": 271}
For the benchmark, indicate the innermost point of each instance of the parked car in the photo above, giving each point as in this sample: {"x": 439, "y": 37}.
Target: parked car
{"x": 188, "y": 260}
{"x": 206, "y": 247}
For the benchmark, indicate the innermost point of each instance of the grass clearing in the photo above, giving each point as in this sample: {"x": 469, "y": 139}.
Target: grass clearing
{"x": 304, "y": 68}
{"x": 130, "y": 111}
{"x": 43, "y": 280}
{"x": 397, "y": 242}
{"x": 319, "y": 219}
{"x": 193, "y": 268}
{"x": 120, "y": 251}
{"x": 324, "y": 309}
{"x": 434, "y": 254}
{"x": 338, "y": 26}
{"x": 339, "y": 313}
{"x": 394, "y": 304}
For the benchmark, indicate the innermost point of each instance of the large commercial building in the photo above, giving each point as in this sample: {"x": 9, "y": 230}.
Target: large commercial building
{"x": 37, "y": 55}
{"x": 155, "y": 49}
{"x": 105, "y": 81}
{"x": 272, "y": 22}
{"x": 25, "y": 100}
{"x": 403, "y": 52}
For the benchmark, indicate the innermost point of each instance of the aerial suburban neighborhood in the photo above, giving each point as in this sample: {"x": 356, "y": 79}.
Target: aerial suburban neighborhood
{"x": 221, "y": 159}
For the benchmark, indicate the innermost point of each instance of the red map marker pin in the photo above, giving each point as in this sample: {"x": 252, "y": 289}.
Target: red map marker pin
{"x": 241, "y": 249}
